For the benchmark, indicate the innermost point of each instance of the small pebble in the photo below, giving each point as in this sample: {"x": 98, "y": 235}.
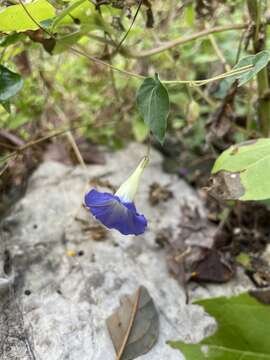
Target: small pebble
{"x": 71, "y": 253}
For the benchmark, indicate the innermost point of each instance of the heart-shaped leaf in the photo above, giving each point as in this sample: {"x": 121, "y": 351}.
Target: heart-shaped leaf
{"x": 153, "y": 102}
{"x": 10, "y": 84}
{"x": 134, "y": 326}
{"x": 243, "y": 331}
{"x": 243, "y": 171}
{"x": 15, "y": 18}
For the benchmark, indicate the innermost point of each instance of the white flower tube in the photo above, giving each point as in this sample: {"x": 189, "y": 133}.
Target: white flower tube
{"x": 128, "y": 189}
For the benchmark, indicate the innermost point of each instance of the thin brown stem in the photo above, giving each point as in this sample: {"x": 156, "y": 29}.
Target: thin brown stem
{"x": 130, "y": 27}
{"x": 101, "y": 62}
{"x": 183, "y": 40}
{"x": 219, "y": 52}
{"x": 259, "y": 44}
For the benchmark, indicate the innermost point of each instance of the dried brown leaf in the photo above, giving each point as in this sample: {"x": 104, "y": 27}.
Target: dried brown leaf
{"x": 212, "y": 268}
{"x": 225, "y": 185}
{"x": 134, "y": 326}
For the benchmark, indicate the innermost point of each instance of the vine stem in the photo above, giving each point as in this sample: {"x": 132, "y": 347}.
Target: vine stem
{"x": 206, "y": 81}
{"x": 189, "y": 38}
{"x": 168, "y": 82}
{"x": 101, "y": 62}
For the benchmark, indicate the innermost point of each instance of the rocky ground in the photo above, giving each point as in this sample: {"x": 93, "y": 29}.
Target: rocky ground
{"x": 61, "y": 275}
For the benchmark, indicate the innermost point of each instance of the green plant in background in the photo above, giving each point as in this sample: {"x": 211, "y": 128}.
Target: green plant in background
{"x": 241, "y": 334}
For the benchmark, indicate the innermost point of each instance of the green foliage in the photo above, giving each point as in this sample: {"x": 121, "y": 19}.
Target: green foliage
{"x": 93, "y": 90}
{"x": 259, "y": 61}
{"x": 15, "y": 18}
{"x": 251, "y": 161}
{"x": 10, "y": 84}
{"x": 140, "y": 130}
{"x": 243, "y": 331}
{"x": 153, "y": 103}
{"x": 69, "y": 10}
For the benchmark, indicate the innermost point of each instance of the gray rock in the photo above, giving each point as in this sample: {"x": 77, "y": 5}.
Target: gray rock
{"x": 71, "y": 296}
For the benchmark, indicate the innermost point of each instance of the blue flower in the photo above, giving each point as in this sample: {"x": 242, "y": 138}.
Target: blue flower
{"x": 118, "y": 211}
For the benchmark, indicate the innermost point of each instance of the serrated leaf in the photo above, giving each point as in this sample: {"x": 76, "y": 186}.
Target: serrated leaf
{"x": 243, "y": 171}
{"x": 134, "y": 326}
{"x": 15, "y": 18}
{"x": 243, "y": 331}
{"x": 10, "y": 84}
{"x": 154, "y": 105}
{"x": 259, "y": 61}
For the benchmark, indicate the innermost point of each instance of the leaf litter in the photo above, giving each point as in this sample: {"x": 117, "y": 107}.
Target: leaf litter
{"x": 134, "y": 325}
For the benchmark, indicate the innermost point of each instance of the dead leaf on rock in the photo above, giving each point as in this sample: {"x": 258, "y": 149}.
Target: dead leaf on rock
{"x": 192, "y": 254}
{"x": 212, "y": 268}
{"x": 225, "y": 185}
{"x": 134, "y": 326}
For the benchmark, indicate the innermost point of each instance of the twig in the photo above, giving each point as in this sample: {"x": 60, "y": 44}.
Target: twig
{"x": 35, "y": 142}
{"x": 183, "y": 40}
{"x": 130, "y": 27}
{"x": 4, "y": 169}
{"x": 101, "y": 62}
{"x": 71, "y": 138}
{"x": 259, "y": 44}
{"x": 75, "y": 149}
{"x": 6, "y": 146}
{"x": 219, "y": 52}
{"x": 205, "y": 96}
{"x": 239, "y": 47}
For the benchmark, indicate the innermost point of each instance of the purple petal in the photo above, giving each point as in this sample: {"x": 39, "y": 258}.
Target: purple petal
{"x": 114, "y": 214}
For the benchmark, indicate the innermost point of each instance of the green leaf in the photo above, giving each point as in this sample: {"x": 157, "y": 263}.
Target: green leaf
{"x": 86, "y": 14}
{"x": 154, "y": 105}
{"x": 10, "y": 84}
{"x": 247, "y": 166}
{"x": 243, "y": 331}
{"x": 10, "y": 39}
{"x": 15, "y": 18}
{"x": 67, "y": 41}
{"x": 6, "y": 105}
{"x": 190, "y": 15}
{"x": 66, "y": 12}
{"x": 259, "y": 61}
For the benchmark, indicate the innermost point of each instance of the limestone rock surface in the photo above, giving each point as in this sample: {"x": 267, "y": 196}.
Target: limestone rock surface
{"x": 53, "y": 305}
